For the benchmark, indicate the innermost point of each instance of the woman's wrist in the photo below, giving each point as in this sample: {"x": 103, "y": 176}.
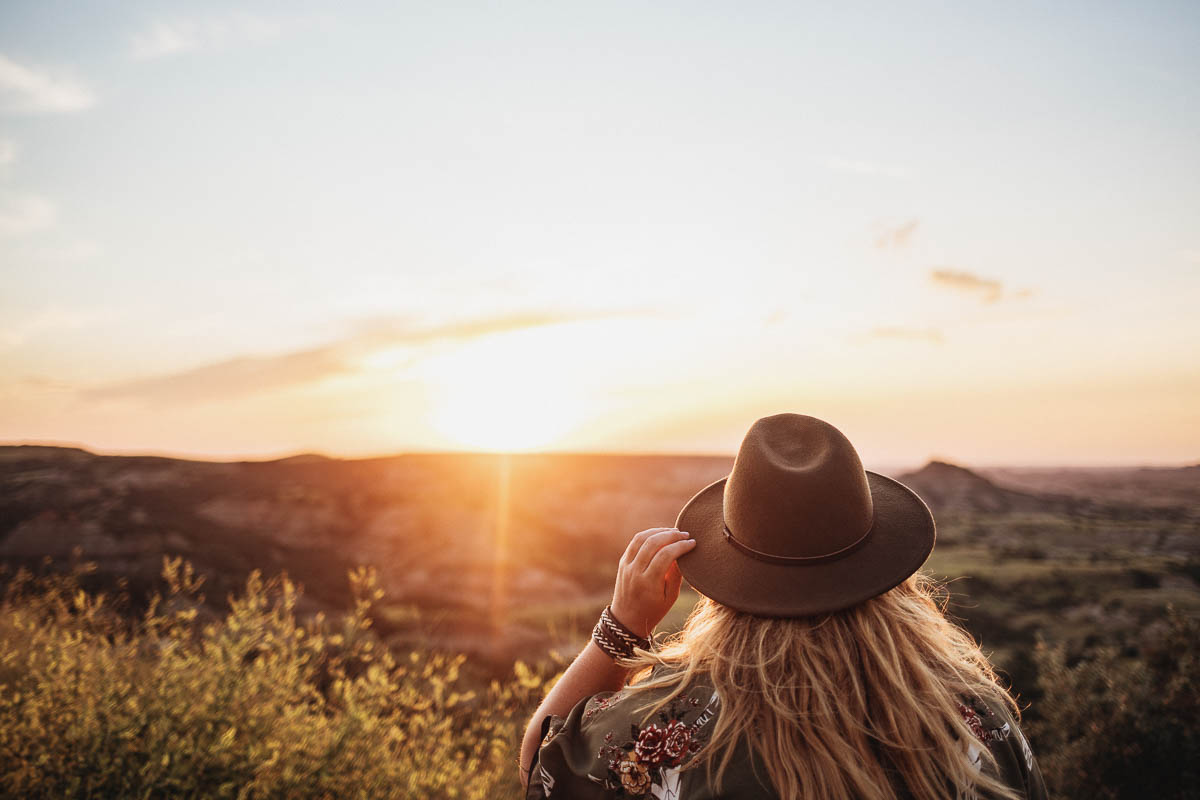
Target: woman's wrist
{"x": 617, "y": 641}
{"x": 637, "y": 623}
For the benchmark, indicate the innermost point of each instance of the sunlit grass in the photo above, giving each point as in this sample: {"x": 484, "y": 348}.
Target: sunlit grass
{"x": 253, "y": 705}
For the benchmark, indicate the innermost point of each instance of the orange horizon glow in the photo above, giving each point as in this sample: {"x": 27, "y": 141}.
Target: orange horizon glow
{"x": 484, "y": 233}
{"x": 626, "y": 386}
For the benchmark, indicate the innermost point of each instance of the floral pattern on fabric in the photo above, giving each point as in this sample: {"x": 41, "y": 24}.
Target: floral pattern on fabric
{"x": 644, "y": 762}
{"x": 616, "y": 753}
{"x": 996, "y": 731}
{"x": 600, "y": 703}
{"x": 971, "y": 717}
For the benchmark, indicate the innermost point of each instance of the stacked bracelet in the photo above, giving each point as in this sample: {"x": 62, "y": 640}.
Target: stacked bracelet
{"x": 614, "y": 638}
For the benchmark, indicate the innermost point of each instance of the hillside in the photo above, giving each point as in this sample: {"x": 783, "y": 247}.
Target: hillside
{"x": 462, "y": 542}
{"x": 1162, "y": 487}
{"x": 487, "y": 554}
{"x": 949, "y": 487}
{"x": 506, "y": 558}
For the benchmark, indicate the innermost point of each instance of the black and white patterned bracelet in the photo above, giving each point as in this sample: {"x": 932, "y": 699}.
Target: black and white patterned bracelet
{"x": 614, "y": 638}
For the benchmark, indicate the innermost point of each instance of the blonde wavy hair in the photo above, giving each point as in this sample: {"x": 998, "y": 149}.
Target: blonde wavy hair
{"x": 856, "y": 703}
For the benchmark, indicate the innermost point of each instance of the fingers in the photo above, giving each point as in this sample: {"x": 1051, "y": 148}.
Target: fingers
{"x": 665, "y": 558}
{"x": 635, "y": 544}
{"x": 650, "y": 546}
{"x": 673, "y": 582}
{"x": 653, "y": 544}
{"x": 647, "y": 579}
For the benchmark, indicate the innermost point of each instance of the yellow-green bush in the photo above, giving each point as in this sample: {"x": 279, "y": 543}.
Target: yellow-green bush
{"x": 255, "y": 705}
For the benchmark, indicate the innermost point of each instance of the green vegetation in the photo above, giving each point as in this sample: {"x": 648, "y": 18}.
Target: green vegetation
{"x": 178, "y": 701}
{"x": 252, "y": 705}
{"x": 1113, "y": 725}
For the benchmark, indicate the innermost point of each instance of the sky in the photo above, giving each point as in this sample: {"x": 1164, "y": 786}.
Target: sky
{"x": 965, "y": 231}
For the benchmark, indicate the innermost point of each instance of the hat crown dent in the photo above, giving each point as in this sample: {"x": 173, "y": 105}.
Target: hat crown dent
{"x": 797, "y": 489}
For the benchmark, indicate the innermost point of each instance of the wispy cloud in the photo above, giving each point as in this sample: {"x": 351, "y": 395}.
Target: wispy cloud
{"x": 989, "y": 289}
{"x": 23, "y": 214}
{"x": 230, "y": 378}
{"x": 391, "y": 330}
{"x": 968, "y": 282}
{"x": 43, "y": 383}
{"x": 167, "y": 38}
{"x": 15, "y": 332}
{"x": 776, "y": 317}
{"x": 910, "y": 334}
{"x": 61, "y": 253}
{"x": 894, "y": 237}
{"x": 245, "y": 375}
{"x": 28, "y": 90}
{"x": 8, "y": 154}
{"x": 859, "y": 167}
{"x": 163, "y": 39}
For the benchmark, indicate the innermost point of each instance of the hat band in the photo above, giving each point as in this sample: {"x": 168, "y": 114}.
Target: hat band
{"x": 776, "y": 559}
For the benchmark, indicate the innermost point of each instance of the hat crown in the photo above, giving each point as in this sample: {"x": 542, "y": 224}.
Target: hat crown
{"x": 797, "y": 489}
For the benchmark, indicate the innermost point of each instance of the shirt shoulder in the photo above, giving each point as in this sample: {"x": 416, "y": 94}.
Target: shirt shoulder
{"x": 607, "y": 746}
{"x": 996, "y": 729}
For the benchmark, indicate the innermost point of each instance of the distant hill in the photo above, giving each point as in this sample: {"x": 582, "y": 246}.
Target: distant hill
{"x": 952, "y": 488}
{"x": 949, "y": 487}
{"x": 304, "y": 458}
{"x": 1161, "y": 487}
{"x": 467, "y": 540}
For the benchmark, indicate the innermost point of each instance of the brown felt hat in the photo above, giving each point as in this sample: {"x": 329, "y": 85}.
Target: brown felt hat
{"x": 798, "y": 527}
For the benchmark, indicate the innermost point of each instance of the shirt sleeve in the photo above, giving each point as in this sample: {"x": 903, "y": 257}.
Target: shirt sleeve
{"x": 1024, "y": 766}
{"x": 532, "y": 790}
{"x": 1014, "y": 757}
{"x": 566, "y": 758}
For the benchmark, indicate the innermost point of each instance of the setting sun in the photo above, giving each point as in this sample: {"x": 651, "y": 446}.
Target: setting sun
{"x": 503, "y": 394}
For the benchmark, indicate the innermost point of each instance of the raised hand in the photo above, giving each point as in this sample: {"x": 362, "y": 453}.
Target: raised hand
{"x": 648, "y": 578}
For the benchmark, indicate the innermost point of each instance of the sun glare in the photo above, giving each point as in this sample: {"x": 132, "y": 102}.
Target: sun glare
{"x": 503, "y": 394}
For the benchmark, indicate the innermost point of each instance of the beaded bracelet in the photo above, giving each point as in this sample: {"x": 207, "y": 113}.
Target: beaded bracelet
{"x": 614, "y": 638}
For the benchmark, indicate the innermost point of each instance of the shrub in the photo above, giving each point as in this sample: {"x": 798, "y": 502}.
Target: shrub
{"x": 1115, "y": 726}
{"x": 253, "y": 705}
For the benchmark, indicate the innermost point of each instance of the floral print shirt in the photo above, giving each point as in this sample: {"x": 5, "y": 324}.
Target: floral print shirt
{"x": 603, "y": 750}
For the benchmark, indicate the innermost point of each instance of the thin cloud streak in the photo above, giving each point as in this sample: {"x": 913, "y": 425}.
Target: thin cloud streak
{"x": 247, "y": 375}
{"x": 231, "y": 378}
{"x": 910, "y": 334}
{"x": 26, "y": 90}
{"x": 162, "y": 39}
{"x": 967, "y": 281}
{"x": 989, "y": 289}
{"x": 24, "y": 214}
{"x": 43, "y": 383}
{"x": 15, "y": 333}
{"x": 897, "y": 236}
{"x": 168, "y": 38}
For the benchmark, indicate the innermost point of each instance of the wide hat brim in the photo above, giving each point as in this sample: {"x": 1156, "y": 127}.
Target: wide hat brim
{"x": 900, "y": 540}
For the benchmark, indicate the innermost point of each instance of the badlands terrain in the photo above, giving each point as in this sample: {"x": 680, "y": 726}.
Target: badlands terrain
{"x": 512, "y": 556}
